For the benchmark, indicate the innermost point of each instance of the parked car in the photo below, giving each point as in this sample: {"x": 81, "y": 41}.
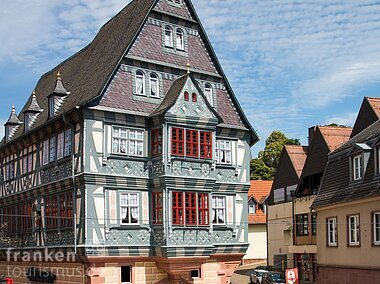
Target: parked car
{"x": 257, "y": 275}
{"x": 273, "y": 277}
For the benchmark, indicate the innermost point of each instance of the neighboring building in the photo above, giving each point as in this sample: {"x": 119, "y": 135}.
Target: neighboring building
{"x": 369, "y": 113}
{"x": 322, "y": 140}
{"x": 280, "y": 217}
{"x": 348, "y": 212}
{"x": 257, "y": 221}
{"x": 135, "y": 157}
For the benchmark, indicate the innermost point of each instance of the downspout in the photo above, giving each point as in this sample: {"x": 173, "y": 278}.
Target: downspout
{"x": 294, "y": 227}
{"x": 266, "y": 227}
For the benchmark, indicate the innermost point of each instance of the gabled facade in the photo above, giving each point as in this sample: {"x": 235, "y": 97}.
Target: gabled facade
{"x": 280, "y": 217}
{"x": 257, "y": 221}
{"x": 322, "y": 140}
{"x": 348, "y": 211}
{"x": 135, "y": 157}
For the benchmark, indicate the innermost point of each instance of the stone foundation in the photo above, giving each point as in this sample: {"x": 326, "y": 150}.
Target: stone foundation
{"x": 339, "y": 275}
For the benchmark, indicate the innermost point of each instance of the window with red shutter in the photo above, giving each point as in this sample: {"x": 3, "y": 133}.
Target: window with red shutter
{"x": 156, "y": 142}
{"x": 192, "y": 143}
{"x": 203, "y": 208}
{"x": 186, "y": 96}
{"x": 191, "y": 217}
{"x": 157, "y": 208}
{"x": 178, "y": 141}
{"x": 194, "y": 97}
{"x": 206, "y": 145}
{"x": 177, "y": 208}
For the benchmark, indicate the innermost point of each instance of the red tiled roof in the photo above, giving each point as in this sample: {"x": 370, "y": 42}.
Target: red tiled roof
{"x": 297, "y": 155}
{"x": 335, "y": 136}
{"x": 375, "y": 103}
{"x": 260, "y": 189}
{"x": 258, "y": 218}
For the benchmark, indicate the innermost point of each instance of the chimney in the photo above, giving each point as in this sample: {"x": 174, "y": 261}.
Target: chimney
{"x": 311, "y": 133}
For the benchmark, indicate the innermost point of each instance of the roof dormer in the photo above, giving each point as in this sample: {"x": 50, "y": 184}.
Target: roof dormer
{"x": 57, "y": 97}
{"x": 359, "y": 156}
{"x": 12, "y": 125}
{"x": 31, "y": 113}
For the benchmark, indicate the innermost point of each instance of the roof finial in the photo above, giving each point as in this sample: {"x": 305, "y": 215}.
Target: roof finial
{"x": 188, "y": 67}
{"x": 34, "y": 94}
{"x": 13, "y": 108}
{"x": 58, "y": 75}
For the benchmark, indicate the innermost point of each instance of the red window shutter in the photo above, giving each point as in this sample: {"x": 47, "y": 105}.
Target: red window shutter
{"x": 206, "y": 145}
{"x": 156, "y": 142}
{"x": 192, "y": 143}
{"x": 191, "y": 217}
{"x": 186, "y": 96}
{"x": 177, "y": 208}
{"x": 203, "y": 208}
{"x": 194, "y": 97}
{"x": 178, "y": 141}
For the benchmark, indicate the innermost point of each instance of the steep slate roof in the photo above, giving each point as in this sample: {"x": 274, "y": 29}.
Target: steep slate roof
{"x": 369, "y": 112}
{"x": 259, "y": 191}
{"x": 87, "y": 73}
{"x": 325, "y": 140}
{"x": 336, "y": 186}
{"x": 291, "y": 163}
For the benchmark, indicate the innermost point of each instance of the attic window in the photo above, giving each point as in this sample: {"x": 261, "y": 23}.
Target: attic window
{"x": 154, "y": 86}
{"x": 51, "y": 106}
{"x": 208, "y": 93}
{"x": 140, "y": 83}
{"x": 357, "y": 167}
{"x": 177, "y": 2}
{"x": 180, "y": 40}
{"x": 168, "y": 36}
{"x": 194, "y": 97}
{"x": 186, "y": 96}
{"x": 251, "y": 207}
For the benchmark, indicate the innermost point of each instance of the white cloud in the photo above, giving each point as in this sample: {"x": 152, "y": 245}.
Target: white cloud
{"x": 347, "y": 119}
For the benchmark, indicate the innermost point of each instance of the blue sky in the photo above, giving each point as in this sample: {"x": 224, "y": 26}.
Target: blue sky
{"x": 292, "y": 64}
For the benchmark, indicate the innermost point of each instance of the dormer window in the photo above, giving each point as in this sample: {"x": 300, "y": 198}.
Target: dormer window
{"x": 51, "y": 106}
{"x": 154, "y": 86}
{"x": 140, "y": 83}
{"x": 180, "y": 40}
{"x": 194, "y": 97}
{"x": 251, "y": 207}
{"x": 168, "y": 36}
{"x": 357, "y": 167}
{"x": 208, "y": 94}
{"x": 186, "y": 96}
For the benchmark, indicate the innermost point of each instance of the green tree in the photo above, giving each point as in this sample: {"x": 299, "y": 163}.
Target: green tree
{"x": 265, "y": 165}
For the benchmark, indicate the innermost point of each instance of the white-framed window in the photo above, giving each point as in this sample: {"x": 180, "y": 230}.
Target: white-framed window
{"x": 208, "y": 93}
{"x": 154, "y": 86}
{"x": 140, "y": 83}
{"x": 128, "y": 141}
{"x": 51, "y": 106}
{"x": 168, "y": 36}
{"x": 376, "y": 228}
{"x": 224, "y": 152}
{"x": 357, "y": 167}
{"x": 332, "y": 239}
{"x": 353, "y": 230}
{"x": 251, "y": 207}
{"x": 129, "y": 206}
{"x": 57, "y": 147}
{"x": 218, "y": 210}
{"x": 180, "y": 41}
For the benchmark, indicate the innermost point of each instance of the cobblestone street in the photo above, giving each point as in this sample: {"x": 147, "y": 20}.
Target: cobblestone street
{"x": 241, "y": 276}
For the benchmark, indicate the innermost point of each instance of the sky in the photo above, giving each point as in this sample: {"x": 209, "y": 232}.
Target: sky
{"x": 292, "y": 64}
